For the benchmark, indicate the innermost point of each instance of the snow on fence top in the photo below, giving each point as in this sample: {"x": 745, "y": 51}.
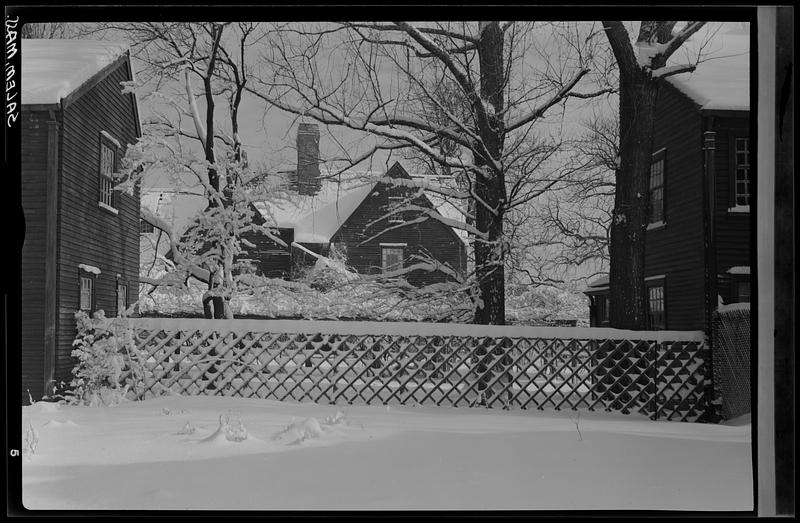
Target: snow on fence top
{"x": 415, "y": 329}
{"x": 52, "y": 69}
{"x": 722, "y": 81}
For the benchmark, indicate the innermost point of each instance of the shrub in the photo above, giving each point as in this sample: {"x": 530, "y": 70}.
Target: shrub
{"x": 108, "y": 360}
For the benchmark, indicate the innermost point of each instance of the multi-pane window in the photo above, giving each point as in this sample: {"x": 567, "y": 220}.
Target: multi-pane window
{"x": 657, "y": 189}
{"x": 742, "y": 172}
{"x": 122, "y": 297}
{"x": 655, "y": 307}
{"x": 87, "y": 284}
{"x": 145, "y": 227}
{"x": 107, "y": 161}
{"x": 743, "y": 291}
{"x": 391, "y": 257}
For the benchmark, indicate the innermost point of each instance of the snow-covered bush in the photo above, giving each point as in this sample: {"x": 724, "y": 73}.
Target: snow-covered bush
{"x": 105, "y": 352}
{"x": 329, "y": 272}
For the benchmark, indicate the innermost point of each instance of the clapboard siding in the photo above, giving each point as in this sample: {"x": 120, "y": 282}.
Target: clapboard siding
{"x": 364, "y": 231}
{"x": 732, "y": 230}
{"x": 676, "y": 250}
{"x": 34, "y": 149}
{"x": 88, "y": 234}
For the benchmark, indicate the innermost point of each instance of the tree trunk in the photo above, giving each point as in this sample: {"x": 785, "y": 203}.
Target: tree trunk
{"x": 637, "y": 94}
{"x": 490, "y": 187}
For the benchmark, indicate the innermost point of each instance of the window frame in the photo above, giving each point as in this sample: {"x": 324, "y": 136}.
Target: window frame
{"x": 84, "y": 275}
{"x": 123, "y": 284}
{"x": 736, "y": 282}
{"x": 107, "y": 198}
{"x": 659, "y": 156}
{"x": 386, "y": 247}
{"x": 657, "y": 282}
{"x": 733, "y": 202}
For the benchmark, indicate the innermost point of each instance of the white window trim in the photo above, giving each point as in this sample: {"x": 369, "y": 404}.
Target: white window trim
{"x": 114, "y": 146}
{"x": 108, "y": 208}
{"x": 654, "y": 278}
{"x": 739, "y": 209}
{"x": 89, "y": 268}
{"x": 111, "y": 139}
{"x": 656, "y": 225}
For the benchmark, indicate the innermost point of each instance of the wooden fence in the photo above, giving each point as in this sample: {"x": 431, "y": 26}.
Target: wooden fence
{"x": 661, "y": 374}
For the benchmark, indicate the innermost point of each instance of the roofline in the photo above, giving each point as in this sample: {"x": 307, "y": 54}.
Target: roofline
{"x": 95, "y": 79}
{"x": 708, "y": 112}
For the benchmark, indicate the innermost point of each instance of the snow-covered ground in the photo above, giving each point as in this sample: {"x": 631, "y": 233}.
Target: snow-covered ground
{"x": 233, "y": 453}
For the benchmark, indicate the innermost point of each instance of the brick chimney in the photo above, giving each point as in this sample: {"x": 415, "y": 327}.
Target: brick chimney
{"x": 307, "y": 178}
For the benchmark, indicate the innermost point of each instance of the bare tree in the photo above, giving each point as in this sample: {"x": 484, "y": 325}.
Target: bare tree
{"x": 391, "y": 81}
{"x": 571, "y": 226}
{"x": 641, "y": 72}
{"x": 178, "y": 55}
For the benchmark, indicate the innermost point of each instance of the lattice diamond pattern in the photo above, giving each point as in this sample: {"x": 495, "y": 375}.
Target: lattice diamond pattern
{"x": 660, "y": 380}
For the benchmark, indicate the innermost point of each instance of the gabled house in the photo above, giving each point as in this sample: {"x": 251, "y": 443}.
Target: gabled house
{"x": 81, "y": 249}
{"x": 701, "y": 185}
{"x": 383, "y": 224}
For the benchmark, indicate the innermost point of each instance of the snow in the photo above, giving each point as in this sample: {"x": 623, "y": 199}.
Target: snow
{"x": 212, "y": 452}
{"x": 739, "y": 270}
{"x": 89, "y": 268}
{"x": 417, "y": 329}
{"x": 722, "y": 82}
{"x": 739, "y": 208}
{"x": 741, "y": 306}
{"x": 53, "y": 69}
{"x": 176, "y": 208}
{"x": 316, "y": 218}
{"x": 111, "y": 139}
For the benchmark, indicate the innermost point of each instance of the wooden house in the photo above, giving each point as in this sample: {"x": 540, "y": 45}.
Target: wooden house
{"x": 698, "y": 240}
{"x": 81, "y": 249}
{"x": 382, "y": 225}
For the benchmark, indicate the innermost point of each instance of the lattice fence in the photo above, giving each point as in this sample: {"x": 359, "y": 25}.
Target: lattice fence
{"x": 660, "y": 374}
{"x": 731, "y": 336}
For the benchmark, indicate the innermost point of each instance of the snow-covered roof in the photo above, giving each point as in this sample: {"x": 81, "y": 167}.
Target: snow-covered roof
{"x": 315, "y": 219}
{"x": 722, "y": 81}
{"x": 175, "y": 207}
{"x": 599, "y": 284}
{"x": 53, "y": 69}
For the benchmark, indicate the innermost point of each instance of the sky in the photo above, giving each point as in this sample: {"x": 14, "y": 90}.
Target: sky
{"x": 268, "y": 133}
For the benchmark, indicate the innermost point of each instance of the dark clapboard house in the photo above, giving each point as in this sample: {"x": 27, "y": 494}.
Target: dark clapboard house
{"x": 81, "y": 248}
{"x": 355, "y": 218}
{"x": 701, "y": 151}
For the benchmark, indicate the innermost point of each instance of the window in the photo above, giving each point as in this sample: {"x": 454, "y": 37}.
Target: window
{"x": 392, "y": 257}
{"x": 655, "y": 307}
{"x": 741, "y": 188}
{"x": 122, "y": 297}
{"x": 657, "y": 188}
{"x": 108, "y": 155}
{"x": 604, "y": 309}
{"x": 741, "y": 289}
{"x": 87, "y": 294}
{"x": 145, "y": 227}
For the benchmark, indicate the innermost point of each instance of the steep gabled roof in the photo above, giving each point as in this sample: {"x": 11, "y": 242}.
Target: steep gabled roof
{"x": 722, "y": 82}
{"x": 317, "y": 218}
{"x": 54, "y": 69}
